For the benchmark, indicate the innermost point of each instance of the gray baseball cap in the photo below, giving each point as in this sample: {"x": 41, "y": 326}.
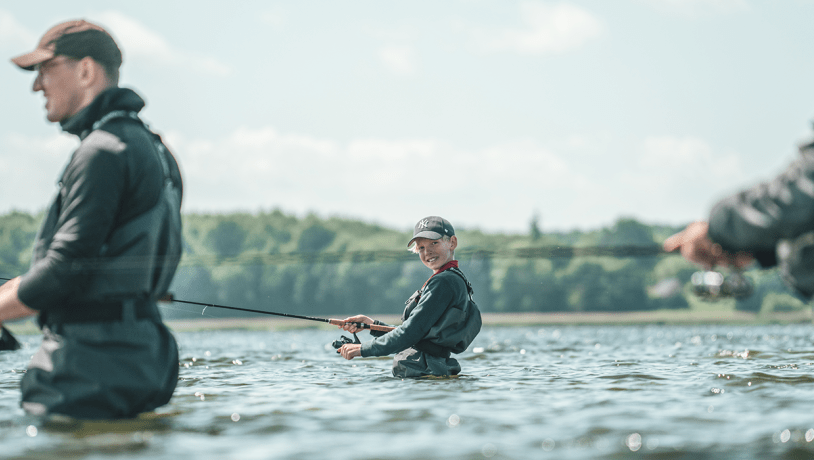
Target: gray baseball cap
{"x": 432, "y": 227}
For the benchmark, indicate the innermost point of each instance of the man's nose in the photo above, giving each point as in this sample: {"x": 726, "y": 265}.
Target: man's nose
{"x": 37, "y": 83}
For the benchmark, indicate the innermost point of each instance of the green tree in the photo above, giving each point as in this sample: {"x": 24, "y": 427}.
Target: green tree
{"x": 534, "y": 230}
{"x": 627, "y": 232}
{"x": 227, "y": 238}
{"x": 593, "y": 288}
{"x": 17, "y": 231}
{"x": 315, "y": 238}
{"x": 525, "y": 289}
{"x": 478, "y": 270}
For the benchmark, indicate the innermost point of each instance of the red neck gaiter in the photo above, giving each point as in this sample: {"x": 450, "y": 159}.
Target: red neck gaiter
{"x": 447, "y": 266}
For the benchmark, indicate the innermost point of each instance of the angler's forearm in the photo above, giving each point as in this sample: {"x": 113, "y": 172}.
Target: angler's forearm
{"x": 11, "y": 307}
{"x": 755, "y": 219}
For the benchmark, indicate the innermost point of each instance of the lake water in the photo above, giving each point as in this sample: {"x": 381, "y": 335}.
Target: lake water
{"x": 565, "y": 392}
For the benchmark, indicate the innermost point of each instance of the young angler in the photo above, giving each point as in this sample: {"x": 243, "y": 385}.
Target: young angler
{"x": 440, "y": 318}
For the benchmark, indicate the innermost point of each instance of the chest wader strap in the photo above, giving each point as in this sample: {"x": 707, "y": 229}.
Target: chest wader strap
{"x": 469, "y": 289}
{"x": 434, "y": 349}
{"x": 159, "y": 146}
{"x": 126, "y": 309}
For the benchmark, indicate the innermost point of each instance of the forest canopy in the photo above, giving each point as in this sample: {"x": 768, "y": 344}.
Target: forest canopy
{"x": 333, "y": 266}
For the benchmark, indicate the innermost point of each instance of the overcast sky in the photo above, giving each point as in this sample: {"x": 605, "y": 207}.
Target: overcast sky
{"x": 486, "y": 112}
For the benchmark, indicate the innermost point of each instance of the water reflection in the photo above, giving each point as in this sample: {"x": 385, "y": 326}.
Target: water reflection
{"x": 563, "y": 392}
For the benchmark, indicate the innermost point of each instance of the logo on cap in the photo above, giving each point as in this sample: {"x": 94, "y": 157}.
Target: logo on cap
{"x": 424, "y": 223}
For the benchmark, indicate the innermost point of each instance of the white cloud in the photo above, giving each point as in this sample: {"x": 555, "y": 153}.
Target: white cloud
{"x": 140, "y": 42}
{"x": 546, "y": 29}
{"x": 688, "y": 159}
{"x": 393, "y": 182}
{"x": 136, "y": 40}
{"x": 14, "y": 36}
{"x": 374, "y": 179}
{"x": 274, "y": 17}
{"x": 36, "y": 163}
{"x": 392, "y": 151}
{"x": 699, "y": 8}
{"x": 400, "y": 60}
{"x": 673, "y": 179}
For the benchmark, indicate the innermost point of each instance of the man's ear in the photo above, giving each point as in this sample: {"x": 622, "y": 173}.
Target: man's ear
{"x": 90, "y": 72}
{"x": 453, "y": 242}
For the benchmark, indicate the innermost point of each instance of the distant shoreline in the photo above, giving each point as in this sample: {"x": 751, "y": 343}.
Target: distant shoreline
{"x": 666, "y": 317}
{"x": 675, "y": 317}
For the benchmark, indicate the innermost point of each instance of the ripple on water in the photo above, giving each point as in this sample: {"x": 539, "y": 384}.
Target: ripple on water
{"x": 565, "y": 392}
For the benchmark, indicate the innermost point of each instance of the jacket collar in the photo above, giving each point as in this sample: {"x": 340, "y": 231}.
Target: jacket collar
{"x": 107, "y": 101}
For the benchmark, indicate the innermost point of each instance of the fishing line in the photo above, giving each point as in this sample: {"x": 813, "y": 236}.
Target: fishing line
{"x": 212, "y": 260}
{"x": 540, "y": 252}
{"x": 165, "y": 307}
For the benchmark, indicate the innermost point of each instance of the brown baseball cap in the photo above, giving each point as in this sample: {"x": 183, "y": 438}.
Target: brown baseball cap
{"x": 75, "y": 39}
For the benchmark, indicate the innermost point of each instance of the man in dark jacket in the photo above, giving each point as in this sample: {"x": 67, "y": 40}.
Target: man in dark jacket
{"x": 108, "y": 246}
{"x": 772, "y": 222}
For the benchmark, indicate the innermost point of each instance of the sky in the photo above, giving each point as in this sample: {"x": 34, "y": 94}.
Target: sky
{"x": 488, "y": 112}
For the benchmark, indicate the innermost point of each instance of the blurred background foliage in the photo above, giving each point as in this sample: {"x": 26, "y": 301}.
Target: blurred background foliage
{"x": 335, "y": 266}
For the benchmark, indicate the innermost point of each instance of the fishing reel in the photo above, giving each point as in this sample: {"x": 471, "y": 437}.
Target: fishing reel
{"x": 343, "y": 340}
{"x": 714, "y": 285}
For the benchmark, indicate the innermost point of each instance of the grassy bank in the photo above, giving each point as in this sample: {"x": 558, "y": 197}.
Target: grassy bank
{"x": 529, "y": 319}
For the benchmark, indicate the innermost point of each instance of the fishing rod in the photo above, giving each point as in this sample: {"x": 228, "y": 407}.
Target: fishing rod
{"x": 335, "y": 322}
{"x": 9, "y": 342}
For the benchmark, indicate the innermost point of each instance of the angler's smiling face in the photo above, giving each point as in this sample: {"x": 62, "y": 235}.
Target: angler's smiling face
{"x": 435, "y": 253}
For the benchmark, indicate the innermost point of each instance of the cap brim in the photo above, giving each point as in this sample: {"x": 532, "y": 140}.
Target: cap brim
{"x": 425, "y": 234}
{"x": 30, "y": 60}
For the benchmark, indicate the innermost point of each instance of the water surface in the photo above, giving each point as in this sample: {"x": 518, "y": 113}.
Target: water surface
{"x": 527, "y": 392}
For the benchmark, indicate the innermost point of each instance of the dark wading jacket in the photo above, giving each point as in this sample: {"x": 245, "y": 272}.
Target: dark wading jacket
{"x": 441, "y": 318}
{"x": 113, "y": 231}
{"x": 774, "y": 221}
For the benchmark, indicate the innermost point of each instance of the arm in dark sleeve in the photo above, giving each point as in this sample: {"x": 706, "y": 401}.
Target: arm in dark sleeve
{"x": 93, "y": 184}
{"x": 379, "y": 333}
{"x": 434, "y": 301}
{"x": 754, "y": 220}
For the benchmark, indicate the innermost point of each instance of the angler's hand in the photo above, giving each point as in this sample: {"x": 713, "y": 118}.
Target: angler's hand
{"x": 350, "y": 327}
{"x": 350, "y": 350}
{"x": 11, "y": 307}
{"x": 695, "y": 246}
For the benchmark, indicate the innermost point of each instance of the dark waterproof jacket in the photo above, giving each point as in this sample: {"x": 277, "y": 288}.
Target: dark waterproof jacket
{"x": 439, "y": 319}
{"x": 113, "y": 231}
{"x": 774, "y": 221}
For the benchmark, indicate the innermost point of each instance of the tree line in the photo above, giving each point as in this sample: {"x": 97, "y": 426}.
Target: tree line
{"x": 333, "y": 266}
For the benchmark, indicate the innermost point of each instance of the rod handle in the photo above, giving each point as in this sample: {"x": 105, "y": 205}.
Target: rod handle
{"x": 372, "y": 327}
